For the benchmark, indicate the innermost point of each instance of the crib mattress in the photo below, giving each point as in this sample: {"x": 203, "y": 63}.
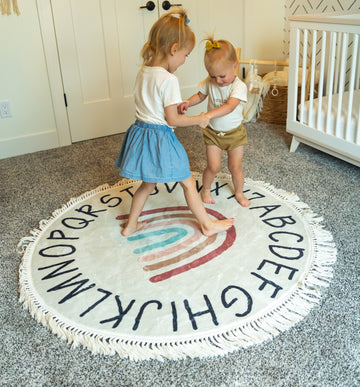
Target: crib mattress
{"x": 328, "y": 124}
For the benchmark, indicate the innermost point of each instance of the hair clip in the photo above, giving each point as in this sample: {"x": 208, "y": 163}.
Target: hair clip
{"x": 187, "y": 20}
{"x": 210, "y": 45}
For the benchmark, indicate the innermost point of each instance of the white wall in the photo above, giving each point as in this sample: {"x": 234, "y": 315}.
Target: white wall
{"x": 27, "y": 84}
{"x": 264, "y": 29}
{"x": 263, "y": 32}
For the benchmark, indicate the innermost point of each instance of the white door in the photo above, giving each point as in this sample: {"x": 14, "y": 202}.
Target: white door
{"x": 99, "y": 44}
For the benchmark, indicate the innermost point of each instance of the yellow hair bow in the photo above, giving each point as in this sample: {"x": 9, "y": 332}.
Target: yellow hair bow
{"x": 214, "y": 44}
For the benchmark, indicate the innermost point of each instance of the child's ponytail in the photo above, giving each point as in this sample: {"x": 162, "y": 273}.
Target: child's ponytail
{"x": 166, "y": 31}
{"x": 216, "y": 50}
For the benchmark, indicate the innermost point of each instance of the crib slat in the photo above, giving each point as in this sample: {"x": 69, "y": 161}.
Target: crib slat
{"x": 357, "y": 131}
{"x": 337, "y": 62}
{"x": 330, "y": 80}
{"x": 357, "y": 84}
{"x": 303, "y": 77}
{"x": 321, "y": 81}
{"x": 342, "y": 61}
{"x": 357, "y": 134}
{"x": 351, "y": 89}
{"x": 312, "y": 79}
{"x": 293, "y": 69}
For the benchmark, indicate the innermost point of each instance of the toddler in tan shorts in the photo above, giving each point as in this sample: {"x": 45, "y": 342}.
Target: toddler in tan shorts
{"x": 227, "y": 94}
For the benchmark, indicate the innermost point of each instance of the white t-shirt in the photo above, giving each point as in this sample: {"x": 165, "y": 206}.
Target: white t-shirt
{"x": 155, "y": 88}
{"x": 218, "y": 96}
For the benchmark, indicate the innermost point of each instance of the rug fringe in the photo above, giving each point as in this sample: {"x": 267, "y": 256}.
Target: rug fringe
{"x": 264, "y": 327}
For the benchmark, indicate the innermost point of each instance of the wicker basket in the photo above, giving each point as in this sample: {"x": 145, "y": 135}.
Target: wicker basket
{"x": 274, "y": 108}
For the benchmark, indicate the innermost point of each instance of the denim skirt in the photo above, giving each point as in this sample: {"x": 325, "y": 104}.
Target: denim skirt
{"x": 152, "y": 153}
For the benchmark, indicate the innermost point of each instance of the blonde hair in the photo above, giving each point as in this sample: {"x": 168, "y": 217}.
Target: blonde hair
{"x": 222, "y": 50}
{"x": 167, "y": 31}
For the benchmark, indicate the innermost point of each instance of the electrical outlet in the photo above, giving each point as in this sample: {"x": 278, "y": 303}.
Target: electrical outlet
{"x": 5, "y": 111}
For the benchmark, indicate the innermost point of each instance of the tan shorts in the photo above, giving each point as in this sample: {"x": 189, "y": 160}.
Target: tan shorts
{"x": 226, "y": 140}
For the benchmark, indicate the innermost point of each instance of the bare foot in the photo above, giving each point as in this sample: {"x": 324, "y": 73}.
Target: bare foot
{"x": 206, "y": 196}
{"x": 243, "y": 200}
{"x": 127, "y": 230}
{"x": 217, "y": 226}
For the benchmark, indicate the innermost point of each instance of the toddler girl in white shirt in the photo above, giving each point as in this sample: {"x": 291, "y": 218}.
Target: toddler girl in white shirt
{"x": 227, "y": 94}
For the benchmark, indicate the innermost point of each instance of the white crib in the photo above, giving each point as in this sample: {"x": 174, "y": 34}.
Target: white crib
{"x": 326, "y": 113}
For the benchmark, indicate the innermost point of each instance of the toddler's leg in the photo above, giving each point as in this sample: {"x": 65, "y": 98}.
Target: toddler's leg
{"x": 213, "y": 155}
{"x": 137, "y": 205}
{"x": 208, "y": 226}
{"x": 235, "y": 157}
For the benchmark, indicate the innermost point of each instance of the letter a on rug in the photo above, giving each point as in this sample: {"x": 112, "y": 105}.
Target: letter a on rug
{"x": 168, "y": 291}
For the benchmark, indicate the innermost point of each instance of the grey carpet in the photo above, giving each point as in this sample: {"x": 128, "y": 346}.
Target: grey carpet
{"x": 321, "y": 350}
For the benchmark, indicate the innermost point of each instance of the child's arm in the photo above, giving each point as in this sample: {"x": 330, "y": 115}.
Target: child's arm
{"x": 225, "y": 109}
{"x": 173, "y": 118}
{"x": 193, "y": 100}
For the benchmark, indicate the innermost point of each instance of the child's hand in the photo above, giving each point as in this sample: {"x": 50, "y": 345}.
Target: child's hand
{"x": 203, "y": 120}
{"x": 183, "y": 107}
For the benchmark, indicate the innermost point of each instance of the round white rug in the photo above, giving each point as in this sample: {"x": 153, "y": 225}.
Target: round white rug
{"x": 167, "y": 291}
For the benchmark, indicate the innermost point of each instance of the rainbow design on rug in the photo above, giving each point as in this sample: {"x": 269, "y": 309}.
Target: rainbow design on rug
{"x": 168, "y": 291}
{"x": 175, "y": 226}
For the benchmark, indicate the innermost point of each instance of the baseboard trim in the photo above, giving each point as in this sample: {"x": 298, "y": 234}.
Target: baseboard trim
{"x": 28, "y": 144}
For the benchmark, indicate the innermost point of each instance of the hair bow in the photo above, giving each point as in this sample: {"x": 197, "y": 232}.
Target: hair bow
{"x": 210, "y": 45}
{"x": 187, "y": 20}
